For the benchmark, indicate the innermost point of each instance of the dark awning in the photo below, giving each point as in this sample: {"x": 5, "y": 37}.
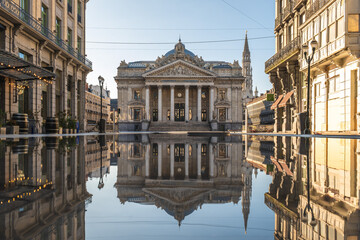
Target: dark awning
{"x": 14, "y": 67}
{"x": 275, "y": 104}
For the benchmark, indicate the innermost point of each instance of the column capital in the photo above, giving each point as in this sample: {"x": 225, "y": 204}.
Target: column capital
{"x": 187, "y": 86}
{"x": 159, "y": 86}
{"x": 172, "y": 86}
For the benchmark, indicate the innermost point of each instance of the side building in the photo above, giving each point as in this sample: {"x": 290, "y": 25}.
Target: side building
{"x": 334, "y": 71}
{"x": 93, "y": 106}
{"x": 260, "y": 114}
{"x": 43, "y": 67}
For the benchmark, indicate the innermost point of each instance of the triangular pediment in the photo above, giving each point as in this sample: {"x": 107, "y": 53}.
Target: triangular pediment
{"x": 177, "y": 195}
{"x": 179, "y": 69}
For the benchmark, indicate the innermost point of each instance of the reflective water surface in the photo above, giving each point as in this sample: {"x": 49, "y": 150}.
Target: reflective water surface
{"x": 179, "y": 186}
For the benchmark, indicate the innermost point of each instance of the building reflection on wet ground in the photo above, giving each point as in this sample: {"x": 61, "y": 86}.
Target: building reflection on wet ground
{"x": 47, "y": 185}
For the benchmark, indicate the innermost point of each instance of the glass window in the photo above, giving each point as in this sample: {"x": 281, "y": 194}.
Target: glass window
{"x": 69, "y": 37}
{"x": 79, "y": 44}
{"x": 317, "y": 90}
{"x": 44, "y": 18}
{"x": 222, "y": 114}
{"x": 137, "y": 95}
{"x": 354, "y": 23}
{"x": 70, "y": 6}
{"x": 58, "y": 29}
{"x": 222, "y": 94}
{"x": 222, "y": 151}
{"x": 137, "y": 114}
{"x": 341, "y": 27}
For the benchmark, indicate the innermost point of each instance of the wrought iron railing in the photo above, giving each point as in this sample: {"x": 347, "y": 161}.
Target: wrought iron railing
{"x": 314, "y": 7}
{"x": 293, "y": 46}
{"x": 30, "y": 21}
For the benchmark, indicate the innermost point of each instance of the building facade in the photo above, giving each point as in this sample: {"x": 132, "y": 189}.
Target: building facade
{"x": 42, "y": 56}
{"x": 260, "y": 115}
{"x": 180, "y": 89}
{"x": 93, "y": 105}
{"x": 334, "y": 70}
{"x": 180, "y": 175}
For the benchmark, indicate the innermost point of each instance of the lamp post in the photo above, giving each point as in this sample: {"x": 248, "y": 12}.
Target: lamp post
{"x": 102, "y": 121}
{"x": 309, "y": 57}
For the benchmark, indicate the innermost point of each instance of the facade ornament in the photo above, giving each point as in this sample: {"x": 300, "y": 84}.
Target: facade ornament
{"x": 123, "y": 64}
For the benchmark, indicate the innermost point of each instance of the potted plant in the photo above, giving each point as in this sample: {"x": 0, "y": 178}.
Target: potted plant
{"x": 62, "y": 122}
{"x": 71, "y": 123}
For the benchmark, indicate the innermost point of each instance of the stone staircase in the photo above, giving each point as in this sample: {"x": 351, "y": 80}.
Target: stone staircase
{"x": 179, "y": 126}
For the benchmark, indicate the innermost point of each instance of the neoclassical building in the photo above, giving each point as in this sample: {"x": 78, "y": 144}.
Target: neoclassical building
{"x": 181, "y": 91}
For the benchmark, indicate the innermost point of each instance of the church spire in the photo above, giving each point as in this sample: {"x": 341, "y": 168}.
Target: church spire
{"x": 246, "y": 45}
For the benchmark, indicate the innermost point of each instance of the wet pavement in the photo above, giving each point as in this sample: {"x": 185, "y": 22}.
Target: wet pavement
{"x": 176, "y": 186}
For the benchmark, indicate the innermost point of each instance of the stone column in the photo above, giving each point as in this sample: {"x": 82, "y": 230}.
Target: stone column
{"x": 159, "y": 161}
{"x": 211, "y": 160}
{"x": 186, "y": 161}
{"x": 199, "y": 103}
{"x": 172, "y": 103}
{"x": 147, "y": 103}
{"x": 211, "y": 103}
{"x": 147, "y": 161}
{"x": 172, "y": 161}
{"x": 186, "y": 103}
{"x": 160, "y": 103}
{"x": 198, "y": 158}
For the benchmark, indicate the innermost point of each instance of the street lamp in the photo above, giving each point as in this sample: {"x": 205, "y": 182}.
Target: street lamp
{"x": 102, "y": 121}
{"x": 309, "y": 57}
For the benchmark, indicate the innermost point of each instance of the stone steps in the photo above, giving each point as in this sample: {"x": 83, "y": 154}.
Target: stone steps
{"x": 179, "y": 126}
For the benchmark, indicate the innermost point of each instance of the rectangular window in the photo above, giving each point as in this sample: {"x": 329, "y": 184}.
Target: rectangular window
{"x": 354, "y": 23}
{"x": 79, "y": 11}
{"x": 70, "y": 37}
{"x": 222, "y": 94}
{"x": 79, "y": 45}
{"x": 291, "y": 32}
{"x": 137, "y": 95}
{"x": 332, "y": 14}
{"x": 323, "y": 21}
{"x": 302, "y": 18}
{"x": 25, "y": 10}
{"x": 323, "y": 38}
{"x": 44, "y": 18}
{"x": 332, "y": 32}
{"x": 317, "y": 90}
{"x": 222, "y": 114}
{"x": 222, "y": 151}
{"x": 137, "y": 114}
{"x": 70, "y": 6}
{"x": 58, "y": 29}
{"x": 25, "y": 56}
{"x": 341, "y": 27}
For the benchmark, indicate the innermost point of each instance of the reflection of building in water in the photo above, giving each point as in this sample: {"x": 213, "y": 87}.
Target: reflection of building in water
{"x": 180, "y": 175}
{"x": 95, "y": 158}
{"x": 260, "y": 150}
{"x": 334, "y": 177}
{"x": 42, "y": 190}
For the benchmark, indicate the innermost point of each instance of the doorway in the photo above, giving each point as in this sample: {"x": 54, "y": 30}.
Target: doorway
{"x": 179, "y": 112}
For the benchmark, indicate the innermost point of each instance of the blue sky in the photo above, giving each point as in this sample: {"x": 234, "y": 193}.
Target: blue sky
{"x": 162, "y": 21}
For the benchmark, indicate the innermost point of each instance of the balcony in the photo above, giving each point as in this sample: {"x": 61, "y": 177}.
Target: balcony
{"x": 314, "y": 7}
{"x": 15, "y": 10}
{"x": 285, "y": 53}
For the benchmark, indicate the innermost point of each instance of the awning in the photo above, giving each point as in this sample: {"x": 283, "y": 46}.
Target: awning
{"x": 274, "y": 106}
{"x": 286, "y": 98}
{"x": 286, "y": 168}
{"x": 279, "y": 168}
{"x": 16, "y": 68}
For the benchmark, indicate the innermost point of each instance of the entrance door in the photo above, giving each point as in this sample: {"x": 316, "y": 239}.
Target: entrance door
{"x": 179, "y": 112}
{"x": 155, "y": 115}
{"x": 179, "y": 152}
